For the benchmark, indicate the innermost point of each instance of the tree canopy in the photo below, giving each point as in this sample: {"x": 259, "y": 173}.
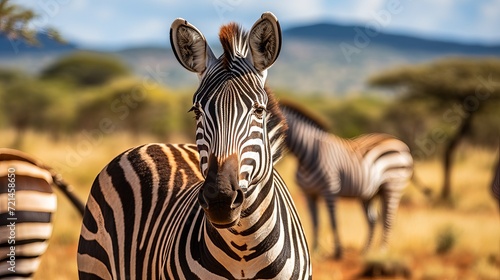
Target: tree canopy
{"x": 128, "y": 104}
{"x": 24, "y": 104}
{"x": 459, "y": 89}
{"x": 15, "y": 23}
{"x": 447, "y": 79}
{"x": 86, "y": 69}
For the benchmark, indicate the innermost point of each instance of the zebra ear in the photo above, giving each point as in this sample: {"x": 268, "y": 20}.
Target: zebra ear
{"x": 189, "y": 46}
{"x": 265, "y": 41}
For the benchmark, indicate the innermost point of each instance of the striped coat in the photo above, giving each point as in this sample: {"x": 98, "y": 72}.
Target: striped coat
{"x": 171, "y": 237}
{"x": 27, "y": 203}
{"x": 364, "y": 167}
{"x": 214, "y": 210}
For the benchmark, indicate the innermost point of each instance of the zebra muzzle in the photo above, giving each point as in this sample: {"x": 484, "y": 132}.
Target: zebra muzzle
{"x": 223, "y": 209}
{"x": 220, "y": 195}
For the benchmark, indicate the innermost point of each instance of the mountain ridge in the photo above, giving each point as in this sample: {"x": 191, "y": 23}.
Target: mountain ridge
{"x": 320, "y": 31}
{"x": 327, "y": 59}
{"x": 46, "y": 44}
{"x": 340, "y": 33}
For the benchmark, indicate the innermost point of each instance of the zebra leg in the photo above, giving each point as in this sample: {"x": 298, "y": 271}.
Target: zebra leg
{"x": 330, "y": 203}
{"x": 312, "y": 203}
{"x": 371, "y": 216}
{"x": 390, "y": 203}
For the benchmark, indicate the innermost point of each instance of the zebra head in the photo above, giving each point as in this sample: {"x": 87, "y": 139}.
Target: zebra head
{"x": 240, "y": 129}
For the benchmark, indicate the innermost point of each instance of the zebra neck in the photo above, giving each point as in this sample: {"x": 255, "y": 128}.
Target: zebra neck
{"x": 303, "y": 139}
{"x": 250, "y": 245}
{"x": 309, "y": 143}
{"x": 260, "y": 201}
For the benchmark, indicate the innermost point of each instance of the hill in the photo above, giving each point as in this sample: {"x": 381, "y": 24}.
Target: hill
{"x": 10, "y": 46}
{"x": 330, "y": 58}
{"x": 324, "y": 58}
{"x": 348, "y": 34}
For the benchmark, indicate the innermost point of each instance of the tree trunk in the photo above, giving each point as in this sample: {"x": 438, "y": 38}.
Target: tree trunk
{"x": 448, "y": 154}
{"x": 19, "y": 138}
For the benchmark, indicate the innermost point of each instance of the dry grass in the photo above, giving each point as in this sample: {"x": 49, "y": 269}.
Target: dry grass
{"x": 473, "y": 218}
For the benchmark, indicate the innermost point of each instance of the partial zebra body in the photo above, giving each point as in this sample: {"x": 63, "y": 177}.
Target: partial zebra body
{"x": 170, "y": 238}
{"x": 357, "y": 167}
{"x": 27, "y": 202}
{"x": 214, "y": 210}
{"x": 363, "y": 167}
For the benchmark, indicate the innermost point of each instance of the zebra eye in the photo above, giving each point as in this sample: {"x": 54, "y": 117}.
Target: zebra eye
{"x": 197, "y": 112}
{"x": 259, "y": 111}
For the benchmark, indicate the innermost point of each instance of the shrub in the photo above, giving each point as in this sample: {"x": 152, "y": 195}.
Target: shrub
{"x": 446, "y": 239}
{"x": 86, "y": 69}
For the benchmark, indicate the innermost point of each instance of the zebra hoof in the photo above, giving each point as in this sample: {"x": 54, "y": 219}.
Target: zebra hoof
{"x": 386, "y": 269}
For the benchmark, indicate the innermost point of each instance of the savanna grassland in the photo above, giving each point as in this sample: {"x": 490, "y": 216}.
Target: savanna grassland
{"x": 459, "y": 239}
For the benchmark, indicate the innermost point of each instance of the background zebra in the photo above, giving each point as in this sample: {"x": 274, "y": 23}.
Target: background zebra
{"x": 217, "y": 210}
{"x": 330, "y": 166}
{"x": 27, "y": 202}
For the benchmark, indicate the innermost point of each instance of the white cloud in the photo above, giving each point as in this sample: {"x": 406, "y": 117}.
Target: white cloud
{"x": 490, "y": 13}
{"x": 78, "y": 5}
{"x": 363, "y": 10}
{"x": 105, "y": 14}
{"x": 148, "y": 30}
{"x": 126, "y": 21}
{"x": 86, "y": 36}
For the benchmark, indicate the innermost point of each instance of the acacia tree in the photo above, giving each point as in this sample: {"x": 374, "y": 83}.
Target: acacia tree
{"x": 129, "y": 104}
{"x": 25, "y": 103}
{"x": 460, "y": 89}
{"x": 86, "y": 69}
{"x": 15, "y": 23}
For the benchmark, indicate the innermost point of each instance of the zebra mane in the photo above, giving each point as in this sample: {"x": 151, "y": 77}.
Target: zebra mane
{"x": 234, "y": 42}
{"x": 276, "y": 127}
{"x": 300, "y": 112}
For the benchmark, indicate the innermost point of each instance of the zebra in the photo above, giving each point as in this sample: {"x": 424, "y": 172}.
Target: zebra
{"x": 216, "y": 209}
{"x": 330, "y": 166}
{"x": 27, "y": 202}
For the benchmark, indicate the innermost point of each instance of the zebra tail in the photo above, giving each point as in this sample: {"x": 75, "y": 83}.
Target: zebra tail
{"x": 68, "y": 191}
{"x": 419, "y": 185}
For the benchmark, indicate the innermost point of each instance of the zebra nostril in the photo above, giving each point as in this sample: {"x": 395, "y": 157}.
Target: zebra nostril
{"x": 210, "y": 192}
{"x": 201, "y": 199}
{"x": 238, "y": 199}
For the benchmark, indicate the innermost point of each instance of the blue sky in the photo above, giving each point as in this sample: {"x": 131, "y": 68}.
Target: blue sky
{"x": 120, "y": 23}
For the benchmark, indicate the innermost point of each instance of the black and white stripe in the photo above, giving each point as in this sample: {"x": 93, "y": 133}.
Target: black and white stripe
{"x": 363, "y": 167}
{"x": 214, "y": 210}
{"x": 27, "y": 202}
